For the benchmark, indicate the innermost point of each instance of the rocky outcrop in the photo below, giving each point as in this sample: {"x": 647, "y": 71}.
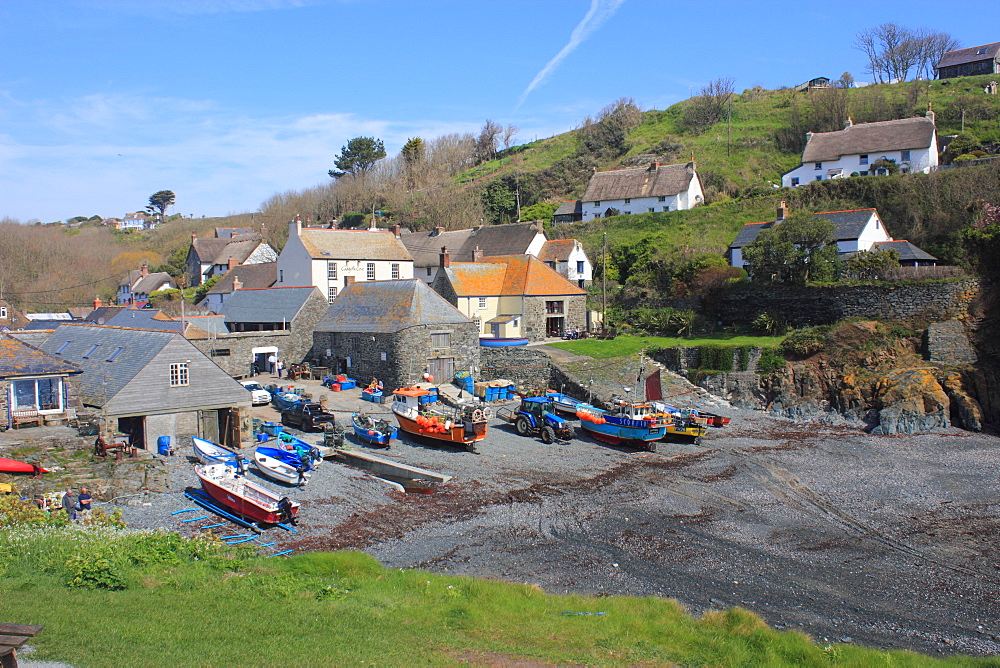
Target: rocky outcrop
{"x": 910, "y": 401}
{"x": 799, "y": 392}
{"x": 965, "y": 410}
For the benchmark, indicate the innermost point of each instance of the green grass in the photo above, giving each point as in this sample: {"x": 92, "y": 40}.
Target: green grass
{"x": 623, "y": 346}
{"x": 206, "y": 605}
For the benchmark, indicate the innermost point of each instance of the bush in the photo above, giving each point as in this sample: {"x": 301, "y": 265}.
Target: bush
{"x": 769, "y": 324}
{"x": 805, "y": 342}
{"x": 770, "y": 362}
{"x": 95, "y": 572}
{"x": 716, "y": 358}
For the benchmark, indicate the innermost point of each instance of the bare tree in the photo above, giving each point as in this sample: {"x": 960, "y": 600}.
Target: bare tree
{"x": 486, "y": 142}
{"x": 894, "y": 51}
{"x": 709, "y": 107}
{"x": 507, "y": 136}
{"x": 936, "y": 44}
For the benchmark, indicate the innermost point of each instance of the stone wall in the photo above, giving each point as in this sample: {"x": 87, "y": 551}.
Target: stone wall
{"x": 232, "y": 352}
{"x": 574, "y": 314}
{"x": 530, "y": 369}
{"x": 947, "y": 343}
{"x": 680, "y": 360}
{"x": 801, "y": 306}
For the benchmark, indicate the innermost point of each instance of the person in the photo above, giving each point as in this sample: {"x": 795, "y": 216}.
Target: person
{"x": 83, "y": 503}
{"x": 69, "y": 504}
{"x": 280, "y": 366}
{"x": 271, "y": 361}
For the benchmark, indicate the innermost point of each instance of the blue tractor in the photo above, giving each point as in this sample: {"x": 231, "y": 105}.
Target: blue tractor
{"x": 537, "y": 417}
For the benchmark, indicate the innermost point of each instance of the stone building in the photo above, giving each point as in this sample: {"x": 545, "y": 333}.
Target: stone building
{"x": 33, "y": 384}
{"x": 513, "y": 296}
{"x": 395, "y": 331}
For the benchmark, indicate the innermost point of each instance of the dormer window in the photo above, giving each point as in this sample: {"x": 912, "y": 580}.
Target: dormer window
{"x": 981, "y": 52}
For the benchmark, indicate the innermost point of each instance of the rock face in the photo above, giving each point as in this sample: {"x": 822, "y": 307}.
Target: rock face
{"x": 910, "y": 401}
{"x": 965, "y": 411}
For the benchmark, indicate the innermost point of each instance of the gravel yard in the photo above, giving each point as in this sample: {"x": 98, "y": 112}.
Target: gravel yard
{"x": 883, "y": 541}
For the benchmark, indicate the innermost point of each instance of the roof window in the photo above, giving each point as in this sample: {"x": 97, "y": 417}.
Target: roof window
{"x": 118, "y": 351}
{"x": 981, "y": 51}
{"x": 91, "y": 351}
{"x": 63, "y": 347}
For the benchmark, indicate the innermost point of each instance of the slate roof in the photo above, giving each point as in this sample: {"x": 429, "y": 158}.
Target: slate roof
{"x": 863, "y": 138}
{"x": 22, "y": 359}
{"x": 102, "y": 380}
{"x": 324, "y": 244}
{"x": 907, "y": 251}
{"x": 105, "y": 312}
{"x": 652, "y": 181}
{"x": 387, "y": 307}
{"x": 961, "y": 56}
{"x": 267, "y": 304}
{"x": 557, "y": 250}
{"x": 512, "y": 239}
{"x": 847, "y": 225}
{"x": 228, "y": 232}
{"x": 208, "y": 324}
{"x": 143, "y": 318}
{"x": 262, "y": 275}
{"x": 508, "y": 275}
{"x": 574, "y": 207}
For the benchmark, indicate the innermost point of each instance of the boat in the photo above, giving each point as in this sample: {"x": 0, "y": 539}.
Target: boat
{"x": 626, "y": 422}
{"x": 691, "y": 414}
{"x": 17, "y": 466}
{"x": 494, "y": 342}
{"x": 373, "y": 430}
{"x": 212, "y": 453}
{"x": 285, "y": 400}
{"x": 281, "y": 466}
{"x": 687, "y": 428}
{"x": 296, "y": 446}
{"x": 423, "y": 418}
{"x": 243, "y": 497}
{"x": 563, "y": 402}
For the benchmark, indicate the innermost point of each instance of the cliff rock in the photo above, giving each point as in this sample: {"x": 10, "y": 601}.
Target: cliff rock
{"x": 910, "y": 401}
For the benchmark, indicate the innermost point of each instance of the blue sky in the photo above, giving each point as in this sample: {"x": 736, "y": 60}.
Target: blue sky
{"x": 227, "y": 102}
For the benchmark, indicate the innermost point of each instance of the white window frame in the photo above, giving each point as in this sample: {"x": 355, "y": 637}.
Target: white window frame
{"x": 818, "y": 165}
{"x": 15, "y": 405}
{"x": 370, "y": 271}
{"x": 331, "y": 293}
{"x": 662, "y": 198}
{"x": 395, "y": 270}
{"x": 3, "y": 312}
{"x": 482, "y": 302}
{"x": 479, "y": 324}
{"x": 180, "y": 374}
{"x": 331, "y": 270}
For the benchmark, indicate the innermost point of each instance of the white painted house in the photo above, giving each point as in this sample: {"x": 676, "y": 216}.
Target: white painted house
{"x": 642, "y": 190}
{"x": 909, "y": 142}
{"x": 333, "y": 259}
{"x": 568, "y": 259}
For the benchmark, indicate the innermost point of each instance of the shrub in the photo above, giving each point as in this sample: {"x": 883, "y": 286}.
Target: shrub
{"x": 769, "y": 324}
{"x": 770, "y": 361}
{"x": 805, "y": 342}
{"x": 716, "y": 358}
{"x": 96, "y": 571}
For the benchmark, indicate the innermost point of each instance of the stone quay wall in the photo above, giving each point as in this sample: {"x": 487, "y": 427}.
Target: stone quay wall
{"x": 530, "y": 369}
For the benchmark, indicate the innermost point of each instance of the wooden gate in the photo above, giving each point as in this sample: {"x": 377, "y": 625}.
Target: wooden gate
{"x": 442, "y": 368}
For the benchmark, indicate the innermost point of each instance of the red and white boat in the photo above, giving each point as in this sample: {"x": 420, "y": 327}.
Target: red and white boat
{"x": 245, "y": 497}
{"x": 17, "y": 466}
{"x": 418, "y": 413}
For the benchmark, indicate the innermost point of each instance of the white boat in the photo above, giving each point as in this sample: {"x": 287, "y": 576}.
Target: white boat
{"x": 279, "y": 470}
{"x": 213, "y": 453}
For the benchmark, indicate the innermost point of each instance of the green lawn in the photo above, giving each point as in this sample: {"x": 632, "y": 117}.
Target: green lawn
{"x": 622, "y": 346}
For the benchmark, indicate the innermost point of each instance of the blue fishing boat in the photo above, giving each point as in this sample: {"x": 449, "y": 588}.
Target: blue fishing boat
{"x": 501, "y": 343}
{"x": 626, "y": 423}
{"x": 373, "y": 430}
{"x": 297, "y": 446}
{"x": 211, "y": 453}
{"x": 563, "y": 402}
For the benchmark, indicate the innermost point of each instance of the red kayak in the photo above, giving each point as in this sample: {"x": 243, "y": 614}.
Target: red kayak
{"x": 15, "y": 466}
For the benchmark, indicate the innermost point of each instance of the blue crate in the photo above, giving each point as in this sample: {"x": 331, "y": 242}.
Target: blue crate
{"x": 374, "y": 397}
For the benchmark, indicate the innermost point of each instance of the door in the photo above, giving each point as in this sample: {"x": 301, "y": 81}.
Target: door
{"x": 208, "y": 423}
{"x": 229, "y": 427}
{"x": 442, "y": 368}
{"x": 555, "y": 326}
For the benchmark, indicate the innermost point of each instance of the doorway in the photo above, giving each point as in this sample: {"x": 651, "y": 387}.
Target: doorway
{"x": 555, "y": 327}
{"x": 229, "y": 427}
{"x": 442, "y": 368}
{"x": 135, "y": 427}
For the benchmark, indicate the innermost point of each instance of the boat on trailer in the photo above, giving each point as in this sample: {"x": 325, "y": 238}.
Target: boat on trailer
{"x": 631, "y": 423}
{"x": 563, "y": 402}
{"x": 465, "y": 427}
{"x": 245, "y": 498}
{"x": 282, "y": 466}
{"x": 373, "y": 430}
{"x": 213, "y": 453}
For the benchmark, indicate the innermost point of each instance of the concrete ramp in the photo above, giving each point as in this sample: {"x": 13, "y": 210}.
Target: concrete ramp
{"x": 385, "y": 467}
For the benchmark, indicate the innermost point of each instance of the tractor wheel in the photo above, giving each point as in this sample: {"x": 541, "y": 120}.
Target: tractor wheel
{"x": 548, "y": 434}
{"x": 523, "y": 426}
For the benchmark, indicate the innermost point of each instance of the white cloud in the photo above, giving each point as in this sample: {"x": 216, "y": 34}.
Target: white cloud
{"x": 599, "y": 12}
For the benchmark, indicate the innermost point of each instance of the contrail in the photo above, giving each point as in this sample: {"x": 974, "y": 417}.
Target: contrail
{"x": 599, "y": 12}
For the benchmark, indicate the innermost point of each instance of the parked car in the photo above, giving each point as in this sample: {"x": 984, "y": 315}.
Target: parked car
{"x": 258, "y": 395}
{"x": 307, "y": 416}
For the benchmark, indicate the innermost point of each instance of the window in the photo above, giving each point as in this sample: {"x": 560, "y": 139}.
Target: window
{"x": 980, "y": 52}
{"x": 818, "y": 165}
{"x": 551, "y": 264}
{"x": 441, "y": 340}
{"x": 118, "y": 351}
{"x": 862, "y": 159}
{"x": 628, "y": 200}
{"x": 331, "y": 294}
{"x": 597, "y": 203}
{"x": 627, "y": 213}
{"x": 904, "y": 156}
{"x": 479, "y": 324}
{"x": 819, "y": 177}
{"x": 662, "y": 198}
{"x": 864, "y": 173}
{"x": 515, "y": 323}
{"x": 91, "y": 351}
{"x": 331, "y": 270}
{"x": 428, "y": 271}
{"x": 178, "y": 374}
{"x": 482, "y": 302}
{"x": 553, "y": 307}
{"x": 371, "y": 271}
{"x": 3, "y": 312}
{"x": 579, "y": 266}
{"x": 63, "y": 347}
{"x": 38, "y": 394}
{"x": 652, "y": 209}
{"x": 395, "y": 270}
{"x": 281, "y": 275}
{"x": 795, "y": 181}
{"x": 666, "y": 208}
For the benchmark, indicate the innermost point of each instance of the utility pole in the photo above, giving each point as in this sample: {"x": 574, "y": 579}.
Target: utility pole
{"x": 729, "y": 128}
{"x": 604, "y": 281}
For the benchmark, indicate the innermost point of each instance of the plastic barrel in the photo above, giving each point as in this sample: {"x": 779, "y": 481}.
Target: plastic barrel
{"x": 163, "y": 445}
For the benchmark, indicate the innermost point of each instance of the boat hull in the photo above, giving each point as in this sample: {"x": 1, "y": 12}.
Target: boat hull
{"x": 372, "y": 433}
{"x": 502, "y": 343}
{"x": 242, "y": 497}
{"x": 564, "y": 403}
{"x": 17, "y": 466}
{"x": 619, "y": 433}
{"x": 212, "y": 453}
{"x": 456, "y": 434}
{"x": 285, "y": 400}
{"x": 283, "y": 470}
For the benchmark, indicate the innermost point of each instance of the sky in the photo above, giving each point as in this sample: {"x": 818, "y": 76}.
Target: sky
{"x": 228, "y": 102}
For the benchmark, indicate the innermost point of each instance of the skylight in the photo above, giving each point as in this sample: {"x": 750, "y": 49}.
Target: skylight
{"x": 981, "y": 51}
{"x": 63, "y": 347}
{"x": 91, "y": 351}
{"x": 118, "y": 351}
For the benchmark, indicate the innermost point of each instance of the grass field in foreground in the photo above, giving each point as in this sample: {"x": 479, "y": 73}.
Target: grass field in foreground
{"x": 338, "y": 608}
{"x": 622, "y": 346}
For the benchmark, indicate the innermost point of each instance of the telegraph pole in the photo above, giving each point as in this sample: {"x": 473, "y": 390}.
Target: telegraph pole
{"x": 604, "y": 281}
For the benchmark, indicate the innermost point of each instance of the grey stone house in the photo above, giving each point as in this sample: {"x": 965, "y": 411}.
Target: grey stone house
{"x": 394, "y": 331}
{"x": 33, "y": 384}
{"x": 151, "y": 383}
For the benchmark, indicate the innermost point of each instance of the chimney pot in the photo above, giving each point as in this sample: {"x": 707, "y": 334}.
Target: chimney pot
{"x": 144, "y": 271}
{"x": 237, "y": 283}
{"x": 477, "y": 254}
{"x": 232, "y": 262}
{"x": 295, "y": 227}
{"x": 395, "y": 230}
{"x": 782, "y": 211}
{"x": 445, "y": 259}
{"x": 97, "y": 302}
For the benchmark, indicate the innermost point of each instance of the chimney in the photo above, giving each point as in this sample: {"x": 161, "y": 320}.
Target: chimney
{"x": 445, "y": 259}
{"x": 144, "y": 271}
{"x": 232, "y": 262}
{"x": 395, "y": 230}
{"x": 193, "y": 237}
{"x": 348, "y": 280}
{"x": 849, "y": 123}
{"x": 295, "y": 227}
{"x": 237, "y": 283}
{"x": 309, "y": 221}
{"x": 97, "y": 302}
{"x": 782, "y": 211}
{"x": 930, "y": 112}
{"x": 437, "y": 231}
{"x": 477, "y": 254}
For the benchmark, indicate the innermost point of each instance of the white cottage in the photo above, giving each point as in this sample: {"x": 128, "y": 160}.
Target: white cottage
{"x": 333, "y": 259}
{"x": 911, "y": 143}
{"x": 642, "y": 190}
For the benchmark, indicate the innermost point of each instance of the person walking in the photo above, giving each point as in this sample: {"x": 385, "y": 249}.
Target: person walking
{"x": 69, "y": 504}
{"x": 280, "y": 366}
{"x": 271, "y": 361}
{"x": 83, "y": 502}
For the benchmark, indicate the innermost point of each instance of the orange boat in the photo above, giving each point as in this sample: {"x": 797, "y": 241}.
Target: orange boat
{"x": 419, "y": 413}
